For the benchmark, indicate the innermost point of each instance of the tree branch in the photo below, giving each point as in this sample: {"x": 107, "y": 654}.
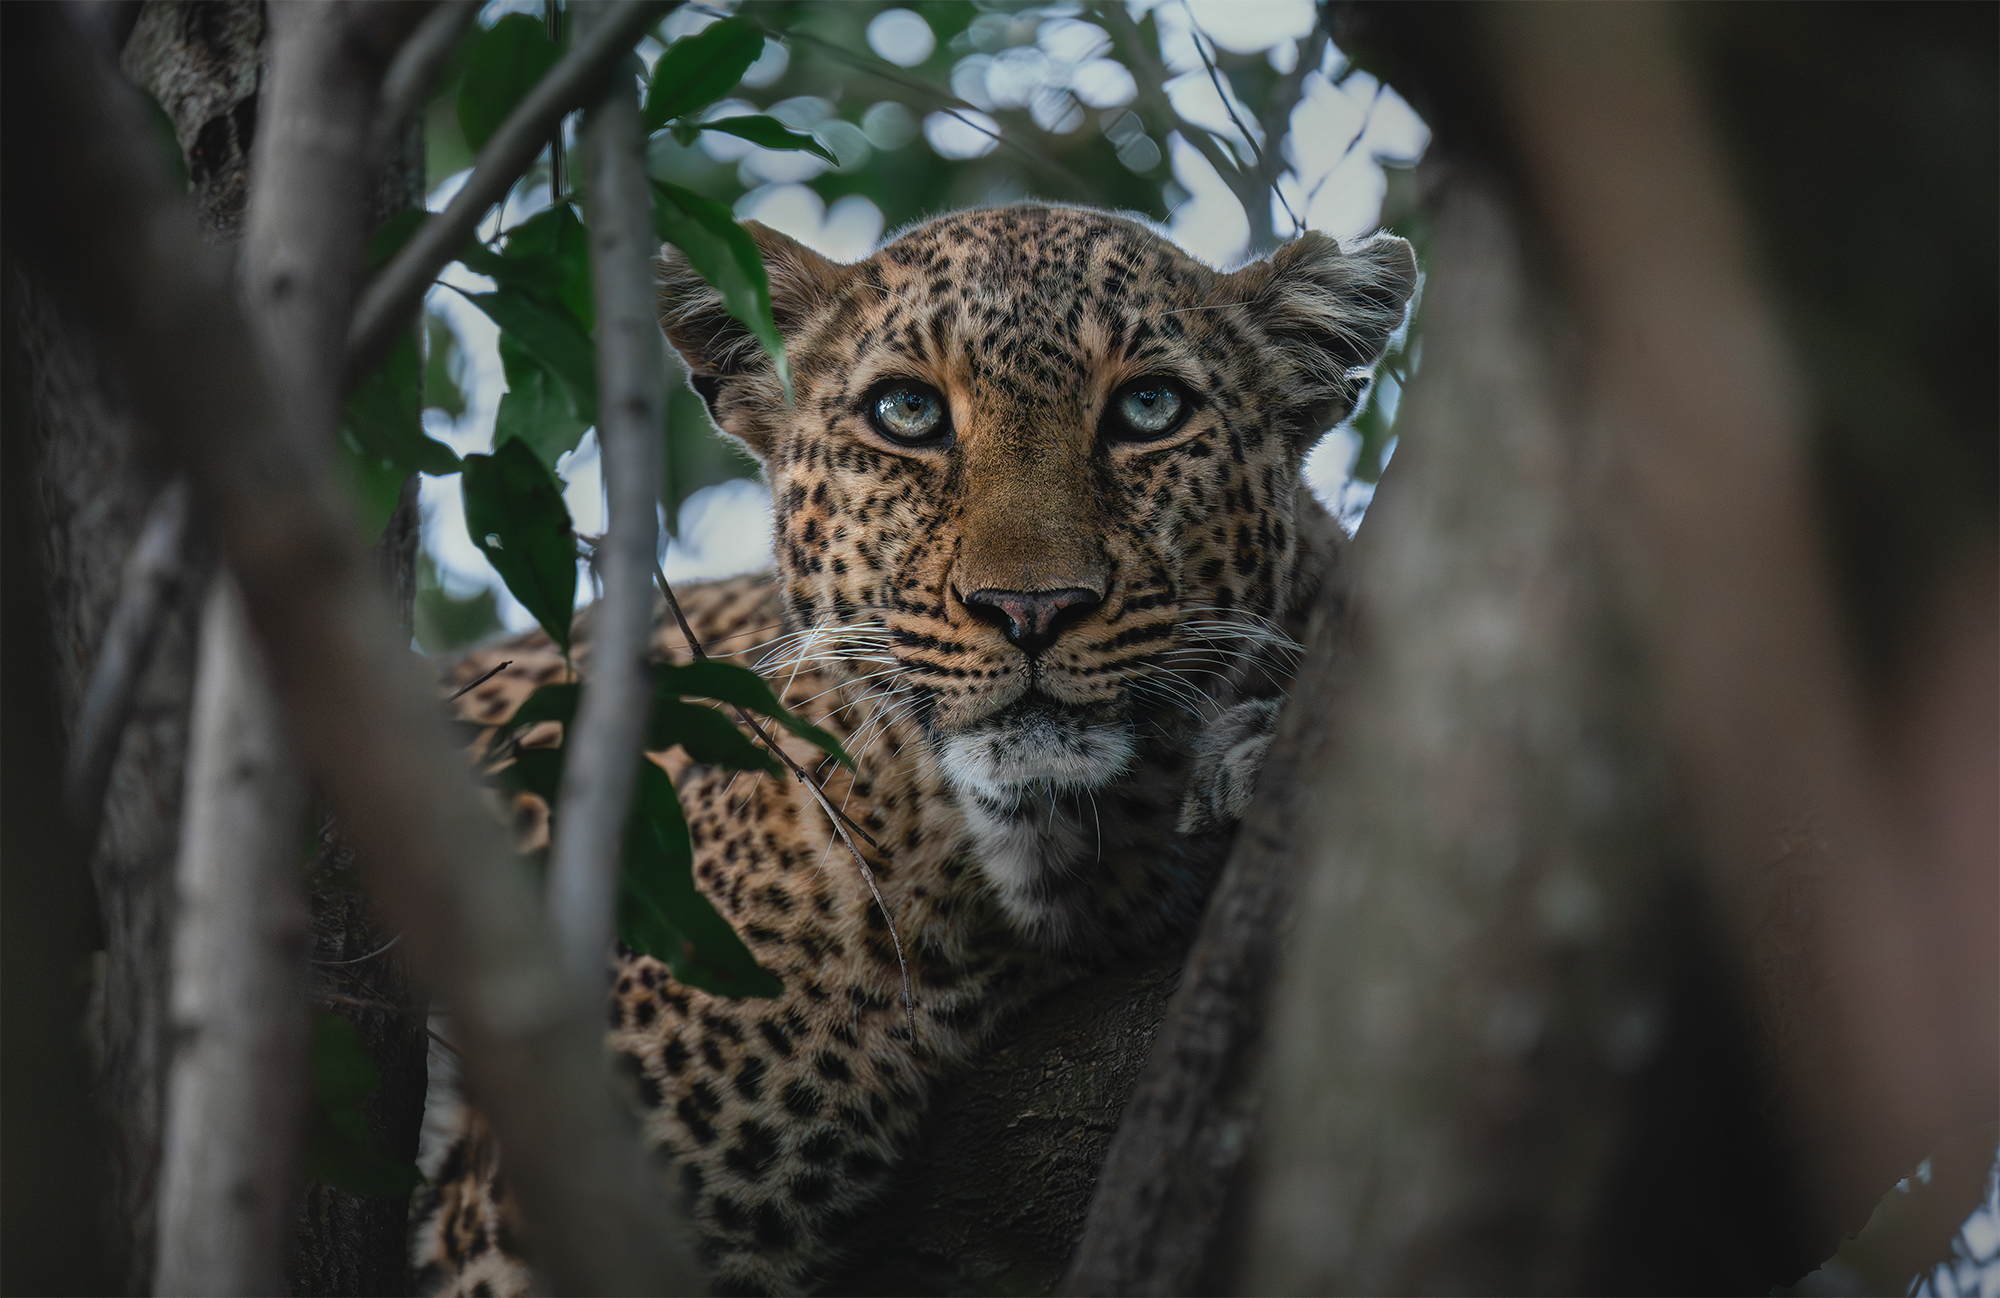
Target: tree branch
{"x": 1841, "y": 926}
{"x": 237, "y": 1086}
{"x": 417, "y": 65}
{"x": 362, "y": 712}
{"x": 604, "y": 746}
{"x": 396, "y": 293}
{"x": 1151, "y": 76}
{"x": 1168, "y": 1175}
{"x": 153, "y": 571}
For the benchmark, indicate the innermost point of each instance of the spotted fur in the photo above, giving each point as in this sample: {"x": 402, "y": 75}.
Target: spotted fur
{"x": 1038, "y": 814}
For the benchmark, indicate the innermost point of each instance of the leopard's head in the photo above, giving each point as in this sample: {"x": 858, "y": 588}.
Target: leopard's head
{"x": 1034, "y": 456}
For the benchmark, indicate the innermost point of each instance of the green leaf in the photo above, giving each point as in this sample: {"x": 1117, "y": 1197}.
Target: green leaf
{"x": 549, "y": 703}
{"x": 697, "y": 70}
{"x": 515, "y": 514}
{"x": 723, "y": 253}
{"x": 371, "y": 484}
{"x": 440, "y": 389}
{"x": 709, "y": 737}
{"x": 341, "y": 1150}
{"x": 386, "y": 422}
{"x": 391, "y": 235}
{"x": 536, "y": 408}
{"x": 547, "y": 257}
{"x": 553, "y": 338}
{"x": 746, "y": 689}
{"x": 534, "y": 770}
{"x": 342, "y": 1072}
{"x": 167, "y": 136}
{"x": 660, "y": 911}
{"x": 502, "y": 67}
{"x": 769, "y": 133}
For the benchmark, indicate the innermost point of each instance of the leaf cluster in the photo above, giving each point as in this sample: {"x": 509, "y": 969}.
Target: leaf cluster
{"x": 661, "y": 912}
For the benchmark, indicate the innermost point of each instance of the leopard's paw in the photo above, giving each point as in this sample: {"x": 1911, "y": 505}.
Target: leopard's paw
{"x": 1227, "y": 758}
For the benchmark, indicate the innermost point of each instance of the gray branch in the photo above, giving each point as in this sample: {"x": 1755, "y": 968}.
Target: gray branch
{"x": 362, "y": 712}
{"x": 392, "y": 296}
{"x": 236, "y": 1087}
{"x": 415, "y": 69}
{"x": 146, "y": 588}
{"x": 236, "y": 1093}
{"x": 604, "y": 744}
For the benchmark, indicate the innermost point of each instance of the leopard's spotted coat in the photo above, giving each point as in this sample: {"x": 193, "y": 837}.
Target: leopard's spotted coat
{"x": 1037, "y": 814}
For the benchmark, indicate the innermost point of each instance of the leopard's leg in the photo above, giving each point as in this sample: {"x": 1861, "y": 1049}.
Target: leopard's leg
{"x": 465, "y": 1236}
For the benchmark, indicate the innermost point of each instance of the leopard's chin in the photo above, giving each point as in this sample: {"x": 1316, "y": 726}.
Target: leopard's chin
{"x": 1036, "y": 745}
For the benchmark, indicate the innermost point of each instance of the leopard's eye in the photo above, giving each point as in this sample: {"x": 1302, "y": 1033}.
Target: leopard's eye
{"x": 1146, "y": 410}
{"x": 909, "y": 412}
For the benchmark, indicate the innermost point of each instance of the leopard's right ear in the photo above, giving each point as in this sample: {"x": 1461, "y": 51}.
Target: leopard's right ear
{"x": 727, "y": 367}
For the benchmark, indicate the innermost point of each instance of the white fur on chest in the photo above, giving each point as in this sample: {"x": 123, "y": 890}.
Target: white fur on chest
{"x": 1028, "y": 794}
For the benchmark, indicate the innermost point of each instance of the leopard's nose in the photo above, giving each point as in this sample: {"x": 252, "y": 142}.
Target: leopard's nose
{"x": 1032, "y": 618}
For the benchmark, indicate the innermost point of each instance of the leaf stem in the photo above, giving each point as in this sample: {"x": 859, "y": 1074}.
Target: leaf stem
{"x": 841, "y": 824}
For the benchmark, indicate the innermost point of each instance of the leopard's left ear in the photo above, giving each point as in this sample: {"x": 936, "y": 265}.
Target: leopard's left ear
{"x": 1331, "y": 311}
{"x": 726, "y": 365}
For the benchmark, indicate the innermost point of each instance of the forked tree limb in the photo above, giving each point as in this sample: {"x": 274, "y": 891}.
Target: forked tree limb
{"x": 394, "y": 294}
{"x": 363, "y": 714}
{"x": 603, "y": 749}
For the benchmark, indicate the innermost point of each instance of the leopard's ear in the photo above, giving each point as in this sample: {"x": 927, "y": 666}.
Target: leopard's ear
{"x": 1330, "y": 312}
{"x": 727, "y": 367}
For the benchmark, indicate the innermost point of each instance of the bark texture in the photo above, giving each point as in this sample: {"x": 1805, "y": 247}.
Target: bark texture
{"x": 1158, "y": 1212}
{"x": 994, "y": 1200}
{"x": 1475, "y": 971}
{"x": 364, "y": 715}
{"x": 236, "y": 1082}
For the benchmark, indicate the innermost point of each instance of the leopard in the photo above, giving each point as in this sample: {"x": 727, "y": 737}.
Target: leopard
{"x": 1044, "y": 555}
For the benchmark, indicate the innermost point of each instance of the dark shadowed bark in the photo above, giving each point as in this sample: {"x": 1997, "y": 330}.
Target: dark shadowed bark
{"x": 993, "y": 1202}
{"x": 363, "y": 714}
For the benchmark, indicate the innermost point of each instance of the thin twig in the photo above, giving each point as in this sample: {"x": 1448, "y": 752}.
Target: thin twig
{"x": 742, "y": 714}
{"x": 484, "y": 677}
{"x": 362, "y": 959}
{"x": 1151, "y": 76}
{"x": 415, "y": 69}
{"x": 1196, "y": 36}
{"x": 558, "y": 173}
{"x": 152, "y": 573}
{"x": 364, "y": 1003}
{"x": 394, "y": 295}
{"x": 838, "y": 818}
{"x": 944, "y": 102}
{"x": 609, "y": 734}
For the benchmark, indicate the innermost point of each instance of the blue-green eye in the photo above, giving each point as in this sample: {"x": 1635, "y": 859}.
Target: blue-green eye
{"x": 909, "y": 412}
{"x": 1148, "y": 409}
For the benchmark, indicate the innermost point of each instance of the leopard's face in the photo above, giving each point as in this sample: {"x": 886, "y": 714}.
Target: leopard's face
{"x": 1037, "y": 479}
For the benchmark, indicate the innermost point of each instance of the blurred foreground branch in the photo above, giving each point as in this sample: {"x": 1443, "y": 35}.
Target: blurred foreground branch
{"x": 237, "y": 1081}
{"x": 610, "y": 731}
{"x": 396, "y": 292}
{"x": 1725, "y": 549}
{"x": 365, "y": 719}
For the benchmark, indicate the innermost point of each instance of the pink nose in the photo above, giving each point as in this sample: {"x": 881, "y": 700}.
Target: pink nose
{"x": 1033, "y": 618}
